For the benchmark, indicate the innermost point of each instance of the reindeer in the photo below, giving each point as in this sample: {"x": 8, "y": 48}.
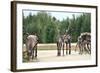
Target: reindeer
{"x": 31, "y": 46}
{"x": 60, "y": 45}
{"x": 67, "y": 41}
{"x": 84, "y": 43}
{"x": 61, "y": 41}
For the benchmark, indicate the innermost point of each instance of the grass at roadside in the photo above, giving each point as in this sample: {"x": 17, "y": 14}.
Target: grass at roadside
{"x": 49, "y": 47}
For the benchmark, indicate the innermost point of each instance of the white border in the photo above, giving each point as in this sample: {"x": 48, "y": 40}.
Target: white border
{"x": 21, "y": 65}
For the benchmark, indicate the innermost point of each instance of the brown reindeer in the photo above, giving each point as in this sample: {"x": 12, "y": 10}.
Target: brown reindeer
{"x": 84, "y": 43}
{"x": 60, "y": 45}
{"x": 67, "y": 41}
{"x": 61, "y": 41}
{"x": 31, "y": 46}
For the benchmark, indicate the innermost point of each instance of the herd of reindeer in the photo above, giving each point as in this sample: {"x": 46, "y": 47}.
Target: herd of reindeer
{"x": 63, "y": 43}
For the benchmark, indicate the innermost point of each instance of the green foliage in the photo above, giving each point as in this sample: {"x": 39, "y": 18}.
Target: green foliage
{"x": 48, "y": 27}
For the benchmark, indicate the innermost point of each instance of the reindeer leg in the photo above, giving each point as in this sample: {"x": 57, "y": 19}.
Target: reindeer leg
{"x": 57, "y": 49}
{"x": 83, "y": 49}
{"x": 28, "y": 55}
{"x": 63, "y": 48}
{"x": 60, "y": 48}
{"x": 80, "y": 48}
{"x": 66, "y": 48}
{"x": 88, "y": 47}
{"x": 36, "y": 51}
{"x": 32, "y": 53}
{"x": 69, "y": 48}
{"x": 58, "y": 52}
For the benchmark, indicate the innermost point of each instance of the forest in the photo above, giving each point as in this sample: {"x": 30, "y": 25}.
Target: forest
{"x": 48, "y": 27}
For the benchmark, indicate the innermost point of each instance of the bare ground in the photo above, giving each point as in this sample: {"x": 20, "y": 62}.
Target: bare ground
{"x": 51, "y": 55}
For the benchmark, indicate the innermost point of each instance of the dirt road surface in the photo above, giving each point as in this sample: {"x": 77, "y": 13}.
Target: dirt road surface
{"x": 48, "y": 53}
{"x": 51, "y": 56}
